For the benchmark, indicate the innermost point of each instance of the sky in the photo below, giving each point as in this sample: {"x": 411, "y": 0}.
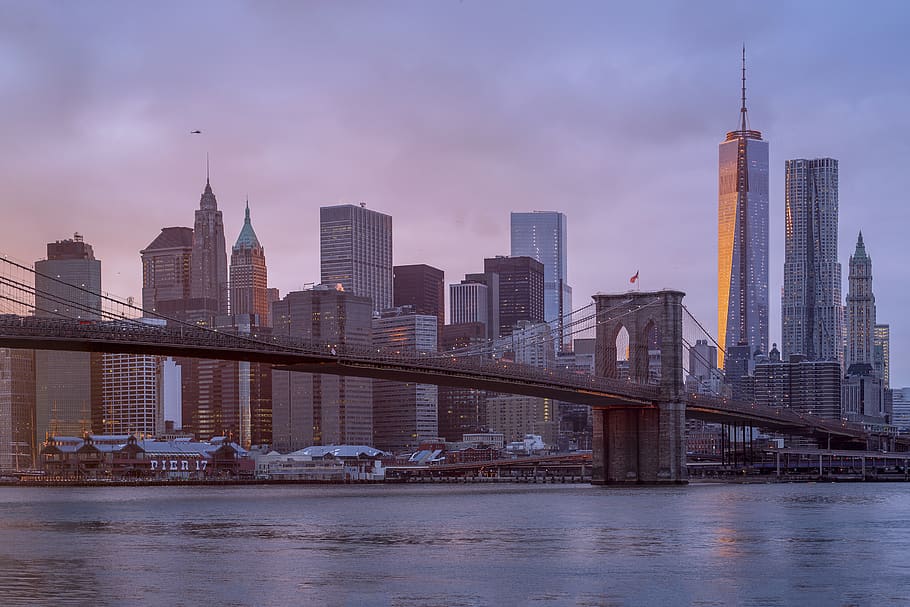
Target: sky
{"x": 448, "y": 115}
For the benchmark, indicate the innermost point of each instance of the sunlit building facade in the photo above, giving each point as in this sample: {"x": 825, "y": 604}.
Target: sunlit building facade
{"x": 742, "y": 244}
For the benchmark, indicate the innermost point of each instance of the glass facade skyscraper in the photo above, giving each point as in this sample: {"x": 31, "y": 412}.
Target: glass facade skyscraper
{"x": 355, "y": 251}
{"x": 541, "y": 235}
{"x": 811, "y": 308}
{"x": 742, "y": 238}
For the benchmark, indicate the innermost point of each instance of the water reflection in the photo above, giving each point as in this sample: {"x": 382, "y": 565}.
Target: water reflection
{"x": 463, "y": 545}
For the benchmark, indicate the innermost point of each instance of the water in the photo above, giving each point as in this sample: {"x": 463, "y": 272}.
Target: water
{"x": 410, "y": 545}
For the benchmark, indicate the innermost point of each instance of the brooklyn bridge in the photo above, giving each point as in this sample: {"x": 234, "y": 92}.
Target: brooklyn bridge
{"x": 639, "y": 416}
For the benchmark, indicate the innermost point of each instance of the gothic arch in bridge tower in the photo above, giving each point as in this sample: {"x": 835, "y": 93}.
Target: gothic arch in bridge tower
{"x": 641, "y": 444}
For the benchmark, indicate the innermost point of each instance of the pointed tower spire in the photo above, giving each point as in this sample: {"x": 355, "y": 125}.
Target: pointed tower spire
{"x": 207, "y": 168}
{"x": 742, "y": 110}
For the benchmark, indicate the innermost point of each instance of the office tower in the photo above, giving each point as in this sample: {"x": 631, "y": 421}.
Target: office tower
{"x": 404, "y": 414}
{"x": 882, "y": 358}
{"x": 901, "y": 408}
{"x": 541, "y": 235}
{"x": 811, "y": 308}
{"x": 131, "y": 394}
{"x": 469, "y": 303}
{"x": 742, "y": 237}
{"x": 355, "y": 249}
{"x": 467, "y": 308}
{"x": 209, "y": 269}
{"x": 520, "y": 290}
{"x": 704, "y": 376}
{"x": 860, "y": 309}
{"x": 249, "y": 276}
{"x": 17, "y": 409}
{"x": 313, "y": 409}
{"x": 423, "y": 288}
{"x": 461, "y": 410}
{"x": 67, "y": 384}
{"x": 806, "y": 386}
{"x": 863, "y": 398}
{"x": 251, "y": 313}
{"x": 166, "y": 264}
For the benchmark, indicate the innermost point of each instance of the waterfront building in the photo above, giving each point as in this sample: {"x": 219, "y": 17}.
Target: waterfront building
{"x": 404, "y": 413}
{"x": 860, "y": 310}
{"x": 67, "y": 384}
{"x": 881, "y": 343}
{"x": 541, "y": 235}
{"x": 521, "y": 281}
{"x": 811, "y": 308}
{"x": 742, "y": 244}
{"x": 355, "y": 251}
{"x": 423, "y": 288}
{"x": 17, "y": 409}
{"x": 315, "y": 409}
{"x": 128, "y": 457}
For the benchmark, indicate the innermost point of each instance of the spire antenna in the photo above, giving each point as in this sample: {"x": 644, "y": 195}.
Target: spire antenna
{"x": 742, "y": 110}
{"x": 207, "y": 167}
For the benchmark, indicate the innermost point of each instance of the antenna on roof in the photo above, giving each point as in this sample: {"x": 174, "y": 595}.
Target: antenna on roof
{"x": 742, "y": 110}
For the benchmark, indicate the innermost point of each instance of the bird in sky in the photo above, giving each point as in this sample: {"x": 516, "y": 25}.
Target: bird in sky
{"x": 197, "y": 132}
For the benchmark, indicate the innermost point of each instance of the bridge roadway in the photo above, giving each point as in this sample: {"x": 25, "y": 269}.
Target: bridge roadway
{"x": 130, "y": 337}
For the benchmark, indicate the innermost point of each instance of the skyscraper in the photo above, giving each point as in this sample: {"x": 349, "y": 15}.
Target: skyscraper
{"x": 882, "y": 347}
{"x": 423, "y": 288}
{"x": 166, "y": 264}
{"x": 404, "y": 413}
{"x": 251, "y": 313}
{"x": 17, "y": 409}
{"x": 131, "y": 391}
{"x": 209, "y": 270}
{"x": 314, "y": 409}
{"x": 860, "y": 312}
{"x": 742, "y": 238}
{"x": 541, "y": 235}
{"x": 249, "y": 276}
{"x": 811, "y": 308}
{"x": 355, "y": 249}
{"x": 521, "y": 282}
{"x": 68, "y": 384}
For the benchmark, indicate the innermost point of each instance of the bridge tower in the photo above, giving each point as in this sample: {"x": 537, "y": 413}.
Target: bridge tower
{"x": 641, "y": 444}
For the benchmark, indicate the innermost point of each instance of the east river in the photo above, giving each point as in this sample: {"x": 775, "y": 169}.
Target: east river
{"x": 457, "y": 545}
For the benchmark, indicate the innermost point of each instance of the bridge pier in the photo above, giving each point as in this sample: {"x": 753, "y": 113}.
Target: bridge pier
{"x": 639, "y": 445}
{"x": 643, "y": 444}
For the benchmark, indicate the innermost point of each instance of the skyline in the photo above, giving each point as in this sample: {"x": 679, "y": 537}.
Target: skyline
{"x": 539, "y": 107}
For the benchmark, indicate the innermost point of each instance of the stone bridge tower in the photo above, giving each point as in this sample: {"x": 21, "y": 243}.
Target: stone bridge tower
{"x": 641, "y": 444}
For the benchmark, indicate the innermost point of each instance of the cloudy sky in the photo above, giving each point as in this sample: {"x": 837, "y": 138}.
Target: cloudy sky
{"x": 448, "y": 115}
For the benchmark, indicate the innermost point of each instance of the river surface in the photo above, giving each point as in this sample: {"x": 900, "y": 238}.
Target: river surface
{"x": 457, "y": 545}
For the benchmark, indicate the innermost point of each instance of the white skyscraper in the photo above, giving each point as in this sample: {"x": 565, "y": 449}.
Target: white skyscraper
{"x": 811, "y": 308}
